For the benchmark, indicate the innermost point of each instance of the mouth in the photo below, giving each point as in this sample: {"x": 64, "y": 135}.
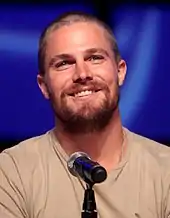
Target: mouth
{"x": 84, "y": 93}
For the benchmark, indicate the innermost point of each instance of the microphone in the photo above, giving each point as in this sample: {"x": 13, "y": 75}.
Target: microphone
{"x": 80, "y": 165}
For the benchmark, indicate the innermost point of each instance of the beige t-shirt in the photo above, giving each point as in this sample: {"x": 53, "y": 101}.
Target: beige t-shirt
{"x": 35, "y": 182}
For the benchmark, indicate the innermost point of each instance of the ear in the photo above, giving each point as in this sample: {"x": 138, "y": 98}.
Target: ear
{"x": 42, "y": 85}
{"x": 122, "y": 68}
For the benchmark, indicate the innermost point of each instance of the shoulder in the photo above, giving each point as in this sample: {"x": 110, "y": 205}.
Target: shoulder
{"x": 150, "y": 146}
{"x": 150, "y": 152}
{"x": 30, "y": 145}
{"x": 27, "y": 152}
{"x": 23, "y": 166}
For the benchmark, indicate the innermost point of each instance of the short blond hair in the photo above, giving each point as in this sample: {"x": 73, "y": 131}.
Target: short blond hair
{"x": 66, "y": 19}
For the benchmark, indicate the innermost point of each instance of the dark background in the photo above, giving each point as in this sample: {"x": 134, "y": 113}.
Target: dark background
{"x": 142, "y": 30}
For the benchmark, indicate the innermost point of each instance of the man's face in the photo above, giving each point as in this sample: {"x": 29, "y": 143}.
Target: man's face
{"x": 81, "y": 77}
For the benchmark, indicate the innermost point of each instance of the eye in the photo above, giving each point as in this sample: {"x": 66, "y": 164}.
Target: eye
{"x": 96, "y": 58}
{"x": 62, "y": 65}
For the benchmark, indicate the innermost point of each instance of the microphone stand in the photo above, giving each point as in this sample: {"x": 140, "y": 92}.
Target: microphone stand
{"x": 89, "y": 204}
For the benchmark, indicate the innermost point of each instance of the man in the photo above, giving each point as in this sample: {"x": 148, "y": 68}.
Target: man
{"x": 80, "y": 72}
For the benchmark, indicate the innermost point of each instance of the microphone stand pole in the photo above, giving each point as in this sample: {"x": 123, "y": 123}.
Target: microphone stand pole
{"x": 89, "y": 204}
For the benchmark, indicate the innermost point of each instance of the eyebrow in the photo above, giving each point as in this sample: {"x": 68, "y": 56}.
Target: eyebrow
{"x": 69, "y": 56}
{"x": 97, "y": 50}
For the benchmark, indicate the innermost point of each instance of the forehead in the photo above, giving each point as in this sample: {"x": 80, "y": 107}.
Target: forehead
{"x": 77, "y": 37}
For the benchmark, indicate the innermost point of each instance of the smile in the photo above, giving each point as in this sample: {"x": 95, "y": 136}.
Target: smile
{"x": 84, "y": 93}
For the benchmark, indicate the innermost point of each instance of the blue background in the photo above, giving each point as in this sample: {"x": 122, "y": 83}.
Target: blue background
{"x": 143, "y": 34}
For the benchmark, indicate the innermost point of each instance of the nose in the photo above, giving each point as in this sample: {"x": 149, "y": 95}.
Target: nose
{"x": 82, "y": 73}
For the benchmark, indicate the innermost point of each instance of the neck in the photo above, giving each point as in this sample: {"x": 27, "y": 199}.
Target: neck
{"x": 104, "y": 147}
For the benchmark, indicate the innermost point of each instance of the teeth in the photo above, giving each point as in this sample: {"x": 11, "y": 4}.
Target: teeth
{"x": 83, "y": 93}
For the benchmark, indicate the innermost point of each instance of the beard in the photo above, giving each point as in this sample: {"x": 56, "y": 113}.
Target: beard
{"x": 88, "y": 119}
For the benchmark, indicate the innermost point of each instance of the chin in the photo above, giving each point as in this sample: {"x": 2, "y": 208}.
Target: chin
{"x": 87, "y": 109}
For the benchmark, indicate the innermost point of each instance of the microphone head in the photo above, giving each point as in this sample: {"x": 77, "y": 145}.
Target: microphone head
{"x": 80, "y": 165}
{"x": 72, "y": 158}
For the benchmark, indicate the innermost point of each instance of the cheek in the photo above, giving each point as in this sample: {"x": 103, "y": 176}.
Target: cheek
{"x": 53, "y": 87}
{"x": 56, "y": 83}
{"x": 109, "y": 74}
{"x": 111, "y": 79}
{"x": 112, "y": 73}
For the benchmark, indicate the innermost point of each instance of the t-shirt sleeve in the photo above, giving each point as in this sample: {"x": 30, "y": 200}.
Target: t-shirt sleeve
{"x": 166, "y": 191}
{"x": 12, "y": 196}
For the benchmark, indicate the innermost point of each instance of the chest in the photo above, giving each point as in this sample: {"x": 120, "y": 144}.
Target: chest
{"x": 132, "y": 195}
